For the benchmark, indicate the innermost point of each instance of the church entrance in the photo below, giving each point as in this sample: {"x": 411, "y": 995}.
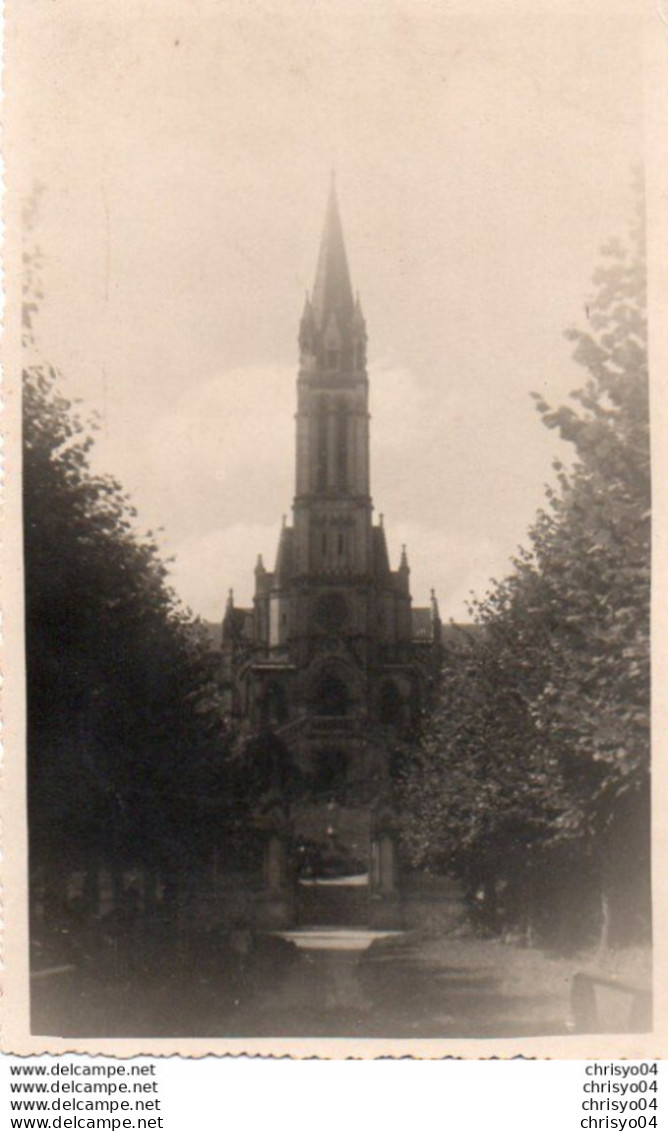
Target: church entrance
{"x": 332, "y": 862}
{"x": 329, "y": 865}
{"x": 323, "y": 902}
{"x": 331, "y": 774}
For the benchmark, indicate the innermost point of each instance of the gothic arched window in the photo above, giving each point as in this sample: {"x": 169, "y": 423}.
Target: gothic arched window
{"x": 321, "y": 447}
{"x": 341, "y": 447}
{"x": 390, "y": 706}
{"x": 276, "y": 704}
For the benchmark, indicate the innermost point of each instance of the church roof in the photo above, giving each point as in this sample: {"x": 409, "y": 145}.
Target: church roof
{"x": 332, "y": 291}
{"x": 285, "y": 556}
{"x": 381, "y": 561}
{"x": 454, "y": 637}
{"x": 460, "y": 637}
{"x": 212, "y": 631}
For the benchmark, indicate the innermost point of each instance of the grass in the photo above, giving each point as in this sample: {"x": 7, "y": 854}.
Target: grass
{"x": 534, "y": 969}
{"x": 527, "y": 983}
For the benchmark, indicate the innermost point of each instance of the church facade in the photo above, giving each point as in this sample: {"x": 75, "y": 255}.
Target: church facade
{"x": 332, "y": 658}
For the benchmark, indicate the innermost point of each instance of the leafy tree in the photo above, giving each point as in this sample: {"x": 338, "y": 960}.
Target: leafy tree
{"x": 594, "y": 554}
{"x": 128, "y": 747}
{"x": 540, "y": 743}
{"x": 597, "y": 546}
{"x": 124, "y": 708}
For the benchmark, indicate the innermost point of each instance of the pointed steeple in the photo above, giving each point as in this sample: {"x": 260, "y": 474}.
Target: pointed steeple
{"x": 358, "y": 318}
{"x": 307, "y": 325}
{"x": 435, "y": 619}
{"x": 229, "y": 618}
{"x": 404, "y": 572}
{"x": 332, "y": 292}
{"x": 262, "y": 578}
{"x": 285, "y": 556}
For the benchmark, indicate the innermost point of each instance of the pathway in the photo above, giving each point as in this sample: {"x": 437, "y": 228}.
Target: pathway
{"x": 362, "y": 983}
{"x": 314, "y": 982}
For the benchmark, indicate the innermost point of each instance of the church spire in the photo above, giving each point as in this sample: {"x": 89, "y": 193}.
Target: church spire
{"x": 332, "y": 292}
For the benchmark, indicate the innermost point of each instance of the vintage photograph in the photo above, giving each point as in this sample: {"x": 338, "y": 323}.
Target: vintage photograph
{"x": 336, "y": 520}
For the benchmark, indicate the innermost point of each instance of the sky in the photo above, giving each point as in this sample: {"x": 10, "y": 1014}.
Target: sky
{"x": 484, "y": 151}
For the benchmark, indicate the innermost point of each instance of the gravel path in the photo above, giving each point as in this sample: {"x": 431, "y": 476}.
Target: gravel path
{"x": 329, "y": 982}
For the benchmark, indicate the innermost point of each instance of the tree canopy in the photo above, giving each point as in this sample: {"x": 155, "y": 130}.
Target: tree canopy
{"x": 540, "y": 740}
{"x": 127, "y": 734}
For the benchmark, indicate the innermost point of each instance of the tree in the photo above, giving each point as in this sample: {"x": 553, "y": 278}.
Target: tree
{"x": 123, "y": 700}
{"x": 128, "y": 744}
{"x": 595, "y": 555}
{"x": 543, "y": 728}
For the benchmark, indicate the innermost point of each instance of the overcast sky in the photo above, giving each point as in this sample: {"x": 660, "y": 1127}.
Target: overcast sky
{"x": 484, "y": 152}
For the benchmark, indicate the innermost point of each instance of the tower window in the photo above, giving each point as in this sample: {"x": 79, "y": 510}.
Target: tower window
{"x": 332, "y": 359}
{"x": 341, "y": 542}
{"x": 324, "y": 543}
{"x": 341, "y": 448}
{"x": 321, "y": 449}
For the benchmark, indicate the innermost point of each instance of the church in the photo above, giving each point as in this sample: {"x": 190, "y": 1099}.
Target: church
{"x": 332, "y": 658}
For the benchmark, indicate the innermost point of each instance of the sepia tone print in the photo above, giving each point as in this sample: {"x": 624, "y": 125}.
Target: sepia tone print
{"x": 375, "y": 769}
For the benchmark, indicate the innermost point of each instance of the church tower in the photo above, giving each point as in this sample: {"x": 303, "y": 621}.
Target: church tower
{"x": 332, "y": 659}
{"x": 332, "y": 510}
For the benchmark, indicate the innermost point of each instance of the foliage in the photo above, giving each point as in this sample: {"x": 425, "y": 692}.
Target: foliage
{"x": 593, "y": 551}
{"x": 124, "y": 711}
{"x": 540, "y": 740}
{"x": 126, "y": 731}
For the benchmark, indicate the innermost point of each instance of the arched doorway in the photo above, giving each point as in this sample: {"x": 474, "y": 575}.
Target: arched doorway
{"x": 390, "y": 706}
{"x": 331, "y": 772}
{"x": 275, "y": 704}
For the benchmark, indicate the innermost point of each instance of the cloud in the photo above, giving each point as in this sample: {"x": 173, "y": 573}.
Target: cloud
{"x": 245, "y": 418}
{"x": 227, "y": 424}
{"x": 449, "y": 561}
{"x": 452, "y": 563}
{"x": 399, "y": 410}
{"x": 207, "y": 566}
{"x": 224, "y": 452}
